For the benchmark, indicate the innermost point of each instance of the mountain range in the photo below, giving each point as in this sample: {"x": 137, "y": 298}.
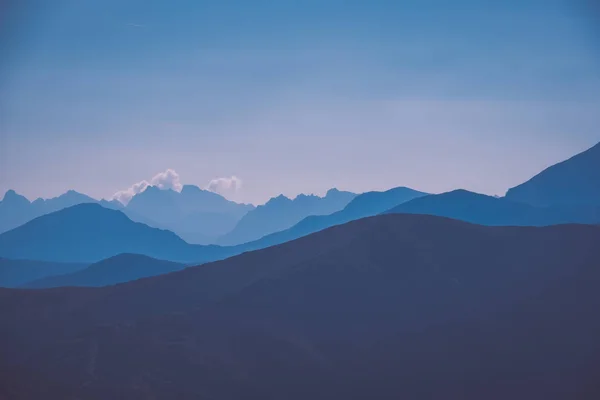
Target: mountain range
{"x": 15, "y": 210}
{"x": 281, "y": 213}
{"x": 391, "y": 306}
{"x": 197, "y": 216}
{"x": 202, "y": 217}
{"x": 88, "y": 233}
{"x": 363, "y": 205}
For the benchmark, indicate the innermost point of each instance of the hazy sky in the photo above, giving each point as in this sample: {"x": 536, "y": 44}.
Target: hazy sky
{"x": 294, "y": 96}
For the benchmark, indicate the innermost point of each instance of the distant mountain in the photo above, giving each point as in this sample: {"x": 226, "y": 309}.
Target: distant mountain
{"x": 196, "y": 215}
{"x": 363, "y": 205}
{"x": 90, "y": 233}
{"x": 486, "y": 210}
{"x": 68, "y": 199}
{"x": 575, "y": 181}
{"x": 15, "y": 210}
{"x": 117, "y": 269}
{"x": 281, "y": 213}
{"x": 14, "y": 273}
{"x": 390, "y": 307}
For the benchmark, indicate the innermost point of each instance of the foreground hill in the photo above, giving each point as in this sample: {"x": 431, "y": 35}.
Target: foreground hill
{"x": 575, "y": 181}
{"x": 363, "y": 205}
{"x": 486, "y": 210}
{"x": 117, "y": 269}
{"x": 388, "y": 307}
{"x": 280, "y": 213}
{"x": 14, "y": 273}
{"x": 90, "y": 233}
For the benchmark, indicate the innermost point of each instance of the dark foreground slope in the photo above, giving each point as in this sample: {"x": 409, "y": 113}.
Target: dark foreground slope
{"x": 394, "y": 306}
{"x": 90, "y": 233}
{"x": 117, "y": 269}
{"x": 14, "y": 273}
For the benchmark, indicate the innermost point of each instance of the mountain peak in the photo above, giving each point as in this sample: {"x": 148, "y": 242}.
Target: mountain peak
{"x": 191, "y": 189}
{"x": 13, "y": 197}
{"x": 278, "y": 200}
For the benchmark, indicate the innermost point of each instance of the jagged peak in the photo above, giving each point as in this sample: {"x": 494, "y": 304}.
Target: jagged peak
{"x": 11, "y": 195}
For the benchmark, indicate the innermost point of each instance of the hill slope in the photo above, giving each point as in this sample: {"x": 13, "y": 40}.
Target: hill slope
{"x": 399, "y": 306}
{"x": 14, "y": 273}
{"x": 90, "y": 233}
{"x": 486, "y": 210}
{"x": 117, "y": 269}
{"x": 575, "y": 181}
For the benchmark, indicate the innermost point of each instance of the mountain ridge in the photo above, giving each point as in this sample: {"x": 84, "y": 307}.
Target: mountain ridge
{"x": 281, "y": 212}
{"x": 89, "y": 233}
{"x": 487, "y": 210}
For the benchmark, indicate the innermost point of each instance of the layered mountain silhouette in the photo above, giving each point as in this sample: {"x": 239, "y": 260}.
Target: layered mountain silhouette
{"x": 199, "y": 216}
{"x": 392, "y": 306}
{"x": 486, "y": 210}
{"x": 14, "y": 273}
{"x": 575, "y": 181}
{"x": 196, "y": 215}
{"x": 15, "y": 210}
{"x": 117, "y": 269}
{"x": 280, "y": 213}
{"x": 90, "y": 233}
{"x": 363, "y": 205}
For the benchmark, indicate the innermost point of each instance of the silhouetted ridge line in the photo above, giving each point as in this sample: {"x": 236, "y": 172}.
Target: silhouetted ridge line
{"x": 574, "y": 182}
{"x": 90, "y": 233}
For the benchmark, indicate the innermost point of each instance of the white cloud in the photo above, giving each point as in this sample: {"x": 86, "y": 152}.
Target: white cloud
{"x": 167, "y": 180}
{"x": 164, "y": 180}
{"x": 226, "y": 187}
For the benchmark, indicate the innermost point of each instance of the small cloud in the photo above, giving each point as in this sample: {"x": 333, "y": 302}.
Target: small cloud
{"x": 167, "y": 180}
{"x": 164, "y": 180}
{"x": 226, "y": 187}
{"x": 132, "y": 25}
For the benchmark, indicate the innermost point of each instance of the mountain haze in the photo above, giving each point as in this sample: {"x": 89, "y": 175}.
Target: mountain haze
{"x": 90, "y": 233}
{"x": 280, "y": 213}
{"x": 15, "y": 210}
{"x": 196, "y": 215}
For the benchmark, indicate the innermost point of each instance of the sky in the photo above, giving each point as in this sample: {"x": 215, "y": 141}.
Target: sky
{"x": 258, "y": 98}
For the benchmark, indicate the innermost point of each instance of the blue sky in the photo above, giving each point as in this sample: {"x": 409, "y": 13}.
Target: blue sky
{"x": 294, "y": 96}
